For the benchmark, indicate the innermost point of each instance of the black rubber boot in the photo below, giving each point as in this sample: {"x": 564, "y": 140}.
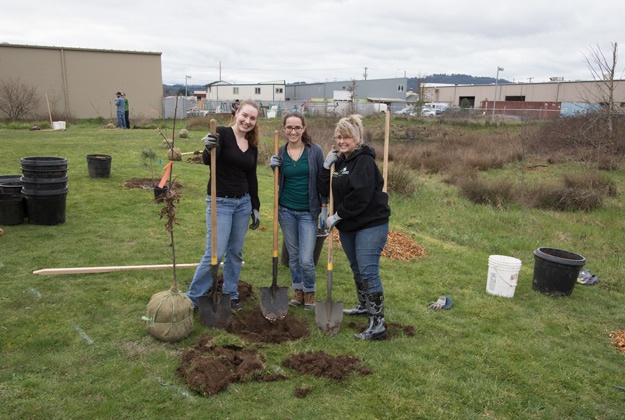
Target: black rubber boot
{"x": 361, "y": 307}
{"x": 375, "y": 309}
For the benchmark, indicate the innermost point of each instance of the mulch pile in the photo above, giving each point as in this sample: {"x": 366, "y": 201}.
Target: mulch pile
{"x": 398, "y": 246}
{"x": 617, "y": 338}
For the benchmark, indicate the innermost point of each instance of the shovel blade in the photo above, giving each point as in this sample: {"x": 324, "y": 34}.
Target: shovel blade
{"x": 214, "y": 314}
{"x": 274, "y": 302}
{"x": 329, "y": 316}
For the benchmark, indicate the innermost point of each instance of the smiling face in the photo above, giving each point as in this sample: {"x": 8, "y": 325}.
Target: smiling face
{"x": 246, "y": 118}
{"x": 294, "y": 129}
{"x": 345, "y": 143}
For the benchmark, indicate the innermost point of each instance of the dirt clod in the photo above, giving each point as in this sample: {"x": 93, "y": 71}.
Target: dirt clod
{"x": 252, "y": 326}
{"x": 324, "y": 365}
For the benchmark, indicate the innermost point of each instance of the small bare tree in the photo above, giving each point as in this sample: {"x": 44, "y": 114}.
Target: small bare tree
{"x": 17, "y": 99}
{"x": 352, "y": 88}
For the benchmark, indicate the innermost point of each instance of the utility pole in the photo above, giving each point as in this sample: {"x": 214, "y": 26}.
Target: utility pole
{"x": 365, "y": 74}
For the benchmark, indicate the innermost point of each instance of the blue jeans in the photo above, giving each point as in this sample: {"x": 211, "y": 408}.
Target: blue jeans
{"x": 299, "y": 230}
{"x": 121, "y": 119}
{"x": 233, "y": 215}
{"x": 363, "y": 249}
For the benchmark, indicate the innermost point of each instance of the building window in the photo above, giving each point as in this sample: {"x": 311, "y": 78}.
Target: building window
{"x": 257, "y": 91}
{"x": 400, "y": 88}
{"x": 235, "y": 90}
{"x": 279, "y": 90}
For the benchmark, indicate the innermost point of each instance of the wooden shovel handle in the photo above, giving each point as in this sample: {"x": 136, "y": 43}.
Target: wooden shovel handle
{"x": 276, "y": 172}
{"x": 213, "y": 130}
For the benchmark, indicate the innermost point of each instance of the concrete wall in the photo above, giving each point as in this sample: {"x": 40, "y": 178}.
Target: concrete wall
{"x": 81, "y": 83}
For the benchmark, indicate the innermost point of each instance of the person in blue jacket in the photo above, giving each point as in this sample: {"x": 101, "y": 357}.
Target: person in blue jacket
{"x": 299, "y": 204}
{"x": 361, "y": 215}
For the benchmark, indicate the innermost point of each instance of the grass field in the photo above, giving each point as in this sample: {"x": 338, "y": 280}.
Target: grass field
{"x": 74, "y": 346}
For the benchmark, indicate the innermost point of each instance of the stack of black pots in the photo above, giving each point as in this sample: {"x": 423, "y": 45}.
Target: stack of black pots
{"x": 12, "y": 206}
{"x": 44, "y": 187}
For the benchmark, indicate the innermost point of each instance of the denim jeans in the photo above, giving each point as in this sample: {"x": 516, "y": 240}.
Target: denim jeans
{"x": 363, "y": 249}
{"x": 299, "y": 230}
{"x": 233, "y": 215}
{"x": 121, "y": 119}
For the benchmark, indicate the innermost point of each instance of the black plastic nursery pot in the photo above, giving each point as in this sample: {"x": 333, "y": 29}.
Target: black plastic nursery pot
{"x": 99, "y": 166}
{"x": 159, "y": 193}
{"x": 11, "y": 209}
{"x": 556, "y": 271}
{"x": 46, "y": 207}
{"x": 43, "y": 167}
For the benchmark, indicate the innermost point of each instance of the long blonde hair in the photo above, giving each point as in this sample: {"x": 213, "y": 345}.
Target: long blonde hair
{"x": 351, "y": 126}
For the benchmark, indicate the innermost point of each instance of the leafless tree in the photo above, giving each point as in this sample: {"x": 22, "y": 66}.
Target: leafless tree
{"x": 352, "y": 96}
{"x": 17, "y": 99}
{"x": 603, "y": 70}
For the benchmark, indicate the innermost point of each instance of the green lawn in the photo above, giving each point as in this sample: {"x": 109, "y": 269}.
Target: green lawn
{"x": 74, "y": 346}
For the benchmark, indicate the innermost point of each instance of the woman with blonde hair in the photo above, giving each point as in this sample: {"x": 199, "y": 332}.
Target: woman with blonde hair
{"x": 361, "y": 214}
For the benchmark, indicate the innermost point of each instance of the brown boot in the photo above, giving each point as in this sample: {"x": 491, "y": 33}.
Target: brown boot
{"x": 298, "y": 298}
{"x": 309, "y": 301}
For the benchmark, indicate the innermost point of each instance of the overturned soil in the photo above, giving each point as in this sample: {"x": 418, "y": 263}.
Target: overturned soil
{"x": 321, "y": 364}
{"x": 147, "y": 183}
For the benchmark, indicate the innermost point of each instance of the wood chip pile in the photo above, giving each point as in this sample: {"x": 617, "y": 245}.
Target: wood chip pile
{"x": 618, "y": 339}
{"x": 398, "y": 246}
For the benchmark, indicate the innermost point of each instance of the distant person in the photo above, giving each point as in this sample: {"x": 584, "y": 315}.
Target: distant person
{"x": 126, "y": 110}
{"x": 234, "y": 107}
{"x": 361, "y": 215}
{"x": 119, "y": 104}
{"x": 237, "y": 200}
{"x": 299, "y": 205}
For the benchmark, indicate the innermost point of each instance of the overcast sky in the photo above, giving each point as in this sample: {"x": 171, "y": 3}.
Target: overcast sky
{"x": 252, "y": 41}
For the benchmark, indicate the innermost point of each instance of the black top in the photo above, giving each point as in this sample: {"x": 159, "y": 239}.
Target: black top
{"x": 236, "y": 170}
{"x": 357, "y": 185}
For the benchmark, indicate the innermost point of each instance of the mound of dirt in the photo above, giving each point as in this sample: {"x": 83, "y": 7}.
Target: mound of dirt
{"x": 321, "y": 364}
{"x": 252, "y": 326}
{"x": 209, "y": 368}
{"x": 147, "y": 183}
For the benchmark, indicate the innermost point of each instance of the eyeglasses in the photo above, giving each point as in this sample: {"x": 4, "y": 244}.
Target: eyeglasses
{"x": 289, "y": 128}
{"x": 342, "y": 137}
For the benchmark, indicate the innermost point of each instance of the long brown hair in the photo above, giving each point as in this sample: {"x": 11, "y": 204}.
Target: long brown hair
{"x": 306, "y": 138}
{"x": 252, "y": 136}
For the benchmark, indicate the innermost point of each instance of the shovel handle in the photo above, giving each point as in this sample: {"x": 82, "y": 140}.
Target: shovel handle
{"x": 213, "y": 152}
{"x": 330, "y": 237}
{"x": 276, "y": 173}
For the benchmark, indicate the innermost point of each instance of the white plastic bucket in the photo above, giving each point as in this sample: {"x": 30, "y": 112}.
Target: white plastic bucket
{"x": 58, "y": 125}
{"x": 503, "y": 274}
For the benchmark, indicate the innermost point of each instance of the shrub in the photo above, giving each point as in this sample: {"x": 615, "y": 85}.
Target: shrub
{"x": 399, "y": 179}
{"x": 498, "y": 193}
{"x": 591, "y": 181}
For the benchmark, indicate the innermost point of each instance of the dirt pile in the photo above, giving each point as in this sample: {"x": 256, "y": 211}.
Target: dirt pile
{"x": 323, "y": 365}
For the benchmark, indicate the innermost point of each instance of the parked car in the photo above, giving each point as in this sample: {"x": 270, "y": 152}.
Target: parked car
{"x": 433, "y": 109}
{"x": 406, "y": 111}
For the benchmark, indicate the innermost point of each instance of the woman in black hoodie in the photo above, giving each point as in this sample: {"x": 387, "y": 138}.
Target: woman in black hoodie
{"x": 361, "y": 216}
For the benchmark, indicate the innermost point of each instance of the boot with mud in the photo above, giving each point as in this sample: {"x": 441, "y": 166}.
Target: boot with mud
{"x": 375, "y": 308}
{"x": 309, "y": 301}
{"x": 361, "y": 307}
{"x": 298, "y": 299}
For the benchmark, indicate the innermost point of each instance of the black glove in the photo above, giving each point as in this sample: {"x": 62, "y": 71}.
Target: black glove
{"x": 211, "y": 140}
{"x": 255, "y": 219}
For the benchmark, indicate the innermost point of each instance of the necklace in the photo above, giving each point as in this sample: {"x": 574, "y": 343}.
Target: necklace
{"x": 301, "y": 151}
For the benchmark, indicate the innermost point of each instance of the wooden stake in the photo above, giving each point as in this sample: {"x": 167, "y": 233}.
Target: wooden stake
{"x": 49, "y": 112}
{"x": 87, "y": 270}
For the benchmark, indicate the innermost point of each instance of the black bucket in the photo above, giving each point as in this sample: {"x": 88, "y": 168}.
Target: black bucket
{"x": 44, "y": 183}
{"x": 11, "y": 209}
{"x": 11, "y": 186}
{"x": 159, "y": 193}
{"x": 556, "y": 271}
{"x": 43, "y": 167}
{"x": 99, "y": 166}
{"x": 321, "y": 237}
{"x": 45, "y": 207}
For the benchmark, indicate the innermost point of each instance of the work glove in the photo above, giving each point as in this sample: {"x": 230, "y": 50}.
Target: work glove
{"x": 332, "y": 221}
{"x": 330, "y": 158}
{"x": 211, "y": 141}
{"x": 324, "y": 216}
{"x": 255, "y": 219}
{"x": 275, "y": 162}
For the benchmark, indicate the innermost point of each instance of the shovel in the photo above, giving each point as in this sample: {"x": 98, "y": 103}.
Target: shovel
{"x": 274, "y": 300}
{"x": 329, "y": 315}
{"x": 214, "y": 309}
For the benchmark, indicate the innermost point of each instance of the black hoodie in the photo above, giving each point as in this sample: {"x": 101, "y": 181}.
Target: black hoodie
{"x": 357, "y": 188}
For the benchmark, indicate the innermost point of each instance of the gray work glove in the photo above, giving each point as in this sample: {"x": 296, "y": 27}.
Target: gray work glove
{"x": 332, "y": 221}
{"x": 331, "y": 158}
{"x": 324, "y": 216}
{"x": 211, "y": 141}
{"x": 255, "y": 219}
{"x": 275, "y": 162}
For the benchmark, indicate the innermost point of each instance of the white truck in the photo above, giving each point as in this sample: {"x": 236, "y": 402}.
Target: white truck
{"x": 432, "y": 109}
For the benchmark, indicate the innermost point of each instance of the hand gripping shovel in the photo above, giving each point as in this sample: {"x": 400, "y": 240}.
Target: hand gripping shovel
{"x": 328, "y": 315}
{"x": 274, "y": 300}
{"x": 214, "y": 309}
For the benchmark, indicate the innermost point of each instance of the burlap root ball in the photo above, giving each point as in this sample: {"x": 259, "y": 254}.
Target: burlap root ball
{"x": 174, "y": 154}
{"x": 184, "y": 133}
{"x": 167, "y": 143}
{"x": 169, "y": 316}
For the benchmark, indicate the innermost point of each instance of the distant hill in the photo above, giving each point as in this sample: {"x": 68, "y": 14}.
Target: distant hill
{"x": 452, "y": 79}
